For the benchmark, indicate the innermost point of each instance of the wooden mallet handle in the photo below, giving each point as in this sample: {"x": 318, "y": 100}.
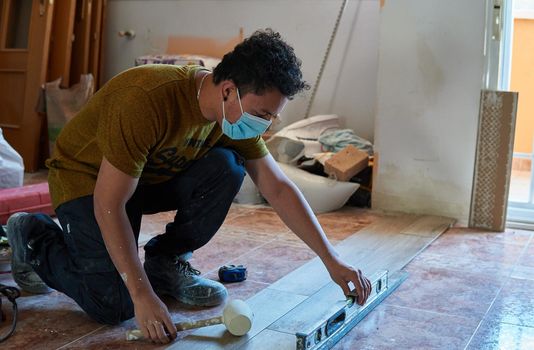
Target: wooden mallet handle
{"x": 136, "y": 334}
{"x": 237, "y": 317}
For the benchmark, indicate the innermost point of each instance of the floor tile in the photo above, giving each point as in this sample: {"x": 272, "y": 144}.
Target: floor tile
{"x": 458, "y": 244}
{"x": 338, "y": 225}
{"x": 510, "y": 236}
{"x": 462, "y": 264}
{"x": 236, "y": 232}
{"x": 528, "y": 257}
{"x": 245, "y": 209}
{"x": 339, "y": 229}
{"x": 523, "y": 272}
{"x": 260, "y": 220}
{"x": 493, "y": 335}
{"x": 45, "y": 321}
{"x": 220, "y": 250}
{"x": 155, "y": 224}
{"x": 446, "y": 291}
{"x": 391, "y": 327}
{"x": 515, "y": 303}
{"x": 273, "y": 261}
{"x": 112, "y": 337}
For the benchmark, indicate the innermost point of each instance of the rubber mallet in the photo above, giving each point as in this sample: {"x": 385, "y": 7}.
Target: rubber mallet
{"x": 237, "y": 317}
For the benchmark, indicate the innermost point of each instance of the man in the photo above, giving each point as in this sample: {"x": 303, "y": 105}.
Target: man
{"x": 159, "y": 138}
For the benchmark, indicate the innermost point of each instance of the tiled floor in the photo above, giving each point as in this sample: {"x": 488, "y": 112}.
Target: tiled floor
{"x": 469, "y": 289}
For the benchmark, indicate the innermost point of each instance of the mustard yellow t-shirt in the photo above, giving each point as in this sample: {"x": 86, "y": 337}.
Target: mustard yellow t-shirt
{"x": 147, "y": 122}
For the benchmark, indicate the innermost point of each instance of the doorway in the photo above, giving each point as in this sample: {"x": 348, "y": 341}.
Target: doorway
{"x": 517, "y": 74}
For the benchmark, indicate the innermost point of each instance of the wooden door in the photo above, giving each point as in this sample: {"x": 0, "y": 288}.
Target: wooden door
{"x": 25, "y": 27}
{"x": 96, "y": 42}
{"x": 82, "y": 40}
{"x": 61, "y": 41}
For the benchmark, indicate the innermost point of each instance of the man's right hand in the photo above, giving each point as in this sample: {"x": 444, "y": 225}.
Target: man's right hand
{"x": 153, "y": 318}
{"x": 112, "y": 191}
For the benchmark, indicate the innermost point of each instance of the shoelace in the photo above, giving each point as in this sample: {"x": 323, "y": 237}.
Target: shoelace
{"x": 185, "y": 267}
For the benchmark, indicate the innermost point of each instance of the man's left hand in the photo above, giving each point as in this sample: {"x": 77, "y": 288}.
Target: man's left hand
{"x": 343, "y": 274}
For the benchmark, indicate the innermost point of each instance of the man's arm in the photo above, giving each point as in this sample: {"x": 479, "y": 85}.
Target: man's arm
{"x": 113, "y": 189}
{"x": 296, "y": 213}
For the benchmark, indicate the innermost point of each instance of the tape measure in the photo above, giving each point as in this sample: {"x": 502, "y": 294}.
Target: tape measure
{"x": 232, "y": 273}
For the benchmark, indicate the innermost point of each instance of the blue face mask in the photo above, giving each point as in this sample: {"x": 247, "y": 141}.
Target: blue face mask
{"x": 246, "y": 127}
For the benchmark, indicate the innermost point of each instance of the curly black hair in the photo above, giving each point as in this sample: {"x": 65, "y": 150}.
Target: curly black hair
{"x": 260, "y": 63}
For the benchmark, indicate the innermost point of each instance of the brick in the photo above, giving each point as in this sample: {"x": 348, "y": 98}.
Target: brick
{"x": 346, "y": 163}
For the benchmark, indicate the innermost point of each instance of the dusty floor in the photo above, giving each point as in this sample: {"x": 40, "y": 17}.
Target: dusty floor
{"x": 469, "y": 289}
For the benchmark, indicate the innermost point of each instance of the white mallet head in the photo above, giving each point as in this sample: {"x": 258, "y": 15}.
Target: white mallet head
{"x": 238, "y": 317}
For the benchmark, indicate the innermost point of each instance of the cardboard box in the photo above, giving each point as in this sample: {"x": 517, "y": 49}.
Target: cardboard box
{"x": 346, "y": 163}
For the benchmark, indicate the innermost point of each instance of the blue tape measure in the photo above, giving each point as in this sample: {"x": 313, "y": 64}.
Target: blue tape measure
{"x": 232, "y": 273}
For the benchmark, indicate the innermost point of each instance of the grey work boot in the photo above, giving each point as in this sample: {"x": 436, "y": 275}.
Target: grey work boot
{"x": 21, "y": 270}
{"x": 175, "y": 277}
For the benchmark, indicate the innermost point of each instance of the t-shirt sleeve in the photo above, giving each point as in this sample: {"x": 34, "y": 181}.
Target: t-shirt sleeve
{"x": 252, "y": 148}
{"x": 127, "y": 129}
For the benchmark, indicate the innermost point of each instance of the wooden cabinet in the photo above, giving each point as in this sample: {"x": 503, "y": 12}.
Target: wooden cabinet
{"x": 42, "y": 40}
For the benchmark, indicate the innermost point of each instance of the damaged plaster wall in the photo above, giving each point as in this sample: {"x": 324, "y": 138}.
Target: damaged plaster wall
{"x": 430, "y": 74}
{"x": 348, "y": 86}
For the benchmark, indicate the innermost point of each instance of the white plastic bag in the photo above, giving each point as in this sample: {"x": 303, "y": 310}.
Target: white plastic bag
{"x": 11, "y": 165}
{"x": 63, "y": 104}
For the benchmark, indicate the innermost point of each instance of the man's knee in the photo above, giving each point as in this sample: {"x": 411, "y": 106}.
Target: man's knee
{"x": 109, "y": 310}
{"x": 104, "y": 296}
{"x": 229, "y": 165}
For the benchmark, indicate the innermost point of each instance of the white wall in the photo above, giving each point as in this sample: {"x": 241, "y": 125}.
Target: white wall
{"x": 430, "y": 75}
{"x": 348, "y": 87}
{"x": 523, "y": 8}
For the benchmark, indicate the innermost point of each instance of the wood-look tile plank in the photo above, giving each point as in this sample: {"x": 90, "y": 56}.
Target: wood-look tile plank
{"x": 354, "y": 250}
{"x": 268, "y": 306}
{"x": 268, "y": 339}
{"x": 391, "y": 254}
{"x": 399, "y": 251}
{"x": 312, "y": 276}
{"x": 429, "y": 226}
{"x": 313, "y": 310}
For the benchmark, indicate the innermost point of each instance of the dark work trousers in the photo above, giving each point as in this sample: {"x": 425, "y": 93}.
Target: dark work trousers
{"x": 74, "y": 260}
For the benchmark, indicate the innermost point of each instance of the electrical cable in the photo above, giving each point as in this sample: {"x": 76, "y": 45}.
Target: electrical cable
{"x": 11, "y": 293}
{"x": 325, "y": 58}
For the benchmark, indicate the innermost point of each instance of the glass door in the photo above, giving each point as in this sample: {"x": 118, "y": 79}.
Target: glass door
{"x": 517, "y": 74}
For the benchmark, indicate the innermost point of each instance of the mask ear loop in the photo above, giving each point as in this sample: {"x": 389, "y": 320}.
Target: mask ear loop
{"x": 239, "y": 100}
{"x": 224, "y": 113}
